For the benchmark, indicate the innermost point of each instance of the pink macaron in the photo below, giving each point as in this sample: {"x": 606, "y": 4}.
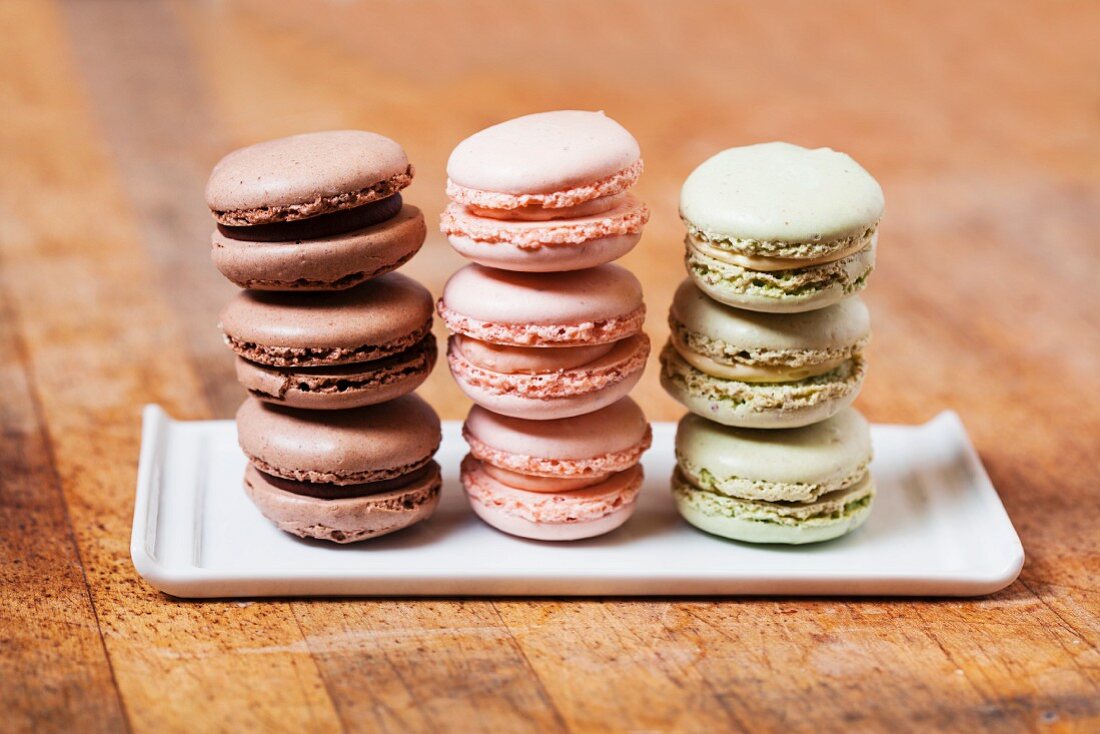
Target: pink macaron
{"x": 544, "y": 346}
{"x": 560, "y": 479}
{"x": 545, "y": 193}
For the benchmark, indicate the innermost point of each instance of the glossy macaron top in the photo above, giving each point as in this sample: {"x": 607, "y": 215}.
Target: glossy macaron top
{"x": 507, "y": 298}
{"x": 542, "y": 153}
{"x": 821, "y": 453}
{"x": 619, "y": 427}
{"x": 839, "y": 326}
{"x": 374, "y": 443}
{"x": 390, "y": 309}
{"x": 778, "y": 193}
{"x": 305, "y": 175}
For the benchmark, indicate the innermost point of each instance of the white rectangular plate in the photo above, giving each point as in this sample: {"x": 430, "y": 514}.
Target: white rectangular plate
{"x": 937, "y": 528}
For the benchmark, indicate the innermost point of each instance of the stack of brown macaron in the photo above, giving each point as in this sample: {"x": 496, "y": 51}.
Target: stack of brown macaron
{"x": 330, "y": 342}
{"x": 767, "y": 341}
{"x": 546, "y": 334}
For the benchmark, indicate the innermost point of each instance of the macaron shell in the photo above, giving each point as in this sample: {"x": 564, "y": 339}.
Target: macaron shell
{"x": 550, "y": 516}
{"x": 543, "y": 153}
{"x": 786, "y": 291}
{"x": 758, "y": 523}
{"x": 347, "y": 520}
{"x": 761, "y": 405}
{"x": 839, "y": 326}
{"x": 554, "y": 532}
{"x": 597, "y": 305}
{"x": 775, "y": 194}
{"x": 305, "y": 175}
{"x": 552, "y": 447}
{"x": 354, "y": 446}
{"x": 329, "y": 263}
{"x": 382, "y": 317}
{"x": 341, "y": 386}
{"x": 555, "y": 395}
{"x": 821, "y": 458}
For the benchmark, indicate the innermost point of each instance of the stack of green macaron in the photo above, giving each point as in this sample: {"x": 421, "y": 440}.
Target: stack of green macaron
{"x": 767, "y": 341}
{"x": 330, "y": 342}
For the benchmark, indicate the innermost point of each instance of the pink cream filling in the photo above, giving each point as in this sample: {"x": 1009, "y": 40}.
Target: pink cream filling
{"x": 576, "y": 505}
{"x": 614, "y": 184}
{"x": 629, "y": 217}
{"x": 533, "y": 483}
{"x": 624, "y": 358}
{"x": 535, "y": 214}
{"x": 513, "y": 360}
{"x": 544, "y": 335}
{"x": 529, "y": 465}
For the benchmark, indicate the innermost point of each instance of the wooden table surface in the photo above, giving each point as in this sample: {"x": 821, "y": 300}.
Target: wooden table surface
{"x": 980, "y": 120}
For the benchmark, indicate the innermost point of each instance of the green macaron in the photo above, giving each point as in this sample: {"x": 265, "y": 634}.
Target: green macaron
{"x": 779, "y": 228}
{"x": 793, "y": 486}
{"x": 763, "y": 370}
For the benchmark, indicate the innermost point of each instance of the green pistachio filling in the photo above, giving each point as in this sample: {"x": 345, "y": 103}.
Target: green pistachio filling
{"x": 761, "y": 395}
{"x": 779, "y": 248}
{"x": 853, "y": 501}
{"x": 757, "y": 489}
{"x": 779, "y": 284}
{"x": 729, "y": 354}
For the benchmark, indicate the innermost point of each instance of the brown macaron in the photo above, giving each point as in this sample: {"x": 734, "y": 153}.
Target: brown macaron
{"x": 335, "y": 350}
{"x": 305, "y": 176}
{"x": 342, "y": 476}
{"x": 318, "y": 211}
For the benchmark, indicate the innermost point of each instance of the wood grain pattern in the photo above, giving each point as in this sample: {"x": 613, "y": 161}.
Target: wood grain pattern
{"x": 53, "y": 655}
{"x": 981, "y": 123}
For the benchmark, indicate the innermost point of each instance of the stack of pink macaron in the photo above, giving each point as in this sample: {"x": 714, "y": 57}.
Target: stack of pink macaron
{"x": 330, "y": 342}
{"x": 546, "y": 334}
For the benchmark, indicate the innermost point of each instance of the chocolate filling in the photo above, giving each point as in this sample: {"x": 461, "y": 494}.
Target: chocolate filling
{"x": 322, "y": 356}
{"x": 325, "y": 225}
{"x": 336, "y": 492}
{"x": 357, "y": 376}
